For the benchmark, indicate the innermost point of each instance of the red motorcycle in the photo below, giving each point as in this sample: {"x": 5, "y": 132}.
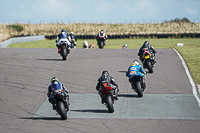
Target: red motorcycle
{"x": 148, "y": 60}
{"x": 107, "y": 97}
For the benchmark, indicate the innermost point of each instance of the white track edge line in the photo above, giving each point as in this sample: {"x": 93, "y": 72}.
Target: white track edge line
{"x": 194, "y": 90}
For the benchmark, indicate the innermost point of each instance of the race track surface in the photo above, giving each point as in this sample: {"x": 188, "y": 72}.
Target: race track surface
{"x": 168, "y": 104}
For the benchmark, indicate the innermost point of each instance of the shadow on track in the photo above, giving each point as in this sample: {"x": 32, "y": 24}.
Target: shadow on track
{"x": 122, "y": 71}
{"x": 91, "y": 111}
{"x": 41, "y": 118}
{"x": 128, "y": 95}
{"x": 51, "y": 59}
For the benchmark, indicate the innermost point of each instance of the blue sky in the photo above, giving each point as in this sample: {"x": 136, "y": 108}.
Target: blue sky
{"x": 96, "y": 11}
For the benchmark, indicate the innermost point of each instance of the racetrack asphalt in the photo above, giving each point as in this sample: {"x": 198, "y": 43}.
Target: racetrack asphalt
{"x": 168, "y": 104}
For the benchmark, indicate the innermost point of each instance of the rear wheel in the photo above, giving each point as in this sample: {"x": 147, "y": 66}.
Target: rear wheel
{"x": 139, "y": 89}
{"x": 109, "y": 102}
{"x": 149, "y": 66}
{"x": 64, "y": 52}
{"x": 61, "y": 110}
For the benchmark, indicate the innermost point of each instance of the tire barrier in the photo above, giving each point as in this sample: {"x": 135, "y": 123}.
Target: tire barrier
{"x": 181, "y": 35}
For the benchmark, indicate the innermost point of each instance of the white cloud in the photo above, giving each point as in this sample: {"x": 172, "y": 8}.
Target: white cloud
{"x": 191, "y": 11}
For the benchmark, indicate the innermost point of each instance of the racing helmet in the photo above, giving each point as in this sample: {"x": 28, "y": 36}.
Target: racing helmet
{"x": 63, "y": 30}
{"x": 102, "y": 31}
{"x": 105, "y": 72}
{"x": 147, "y": 42}
{"x": 54, "y": 80}
{"x": 72, "y": 32}
{"x": 136, "y": 62}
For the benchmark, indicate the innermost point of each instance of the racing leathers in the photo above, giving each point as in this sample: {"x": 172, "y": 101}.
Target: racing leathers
{"x": 72, "y": 39}
{"x": 136, "y": 70}
{"x": 148, "y": 47}
{"x": 62, "y": 37}
{"x": 101, "y": 35}
{"x": 51, "y": 92}
{"x": 111, "y": 82}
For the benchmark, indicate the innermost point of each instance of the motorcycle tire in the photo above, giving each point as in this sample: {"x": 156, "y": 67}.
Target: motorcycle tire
{"x": 72, "y": 45}
{"x": 149, "y": 66}
{"x": 101, "y": 45}
{"x": 139, "y": 89}
{"x": 64, "y": 52}
{"x": 61, "y": 110}
{"x": 109, "y": 103}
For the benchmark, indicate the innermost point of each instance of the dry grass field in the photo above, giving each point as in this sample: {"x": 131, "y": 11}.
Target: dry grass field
{"x": 8, "y": 31}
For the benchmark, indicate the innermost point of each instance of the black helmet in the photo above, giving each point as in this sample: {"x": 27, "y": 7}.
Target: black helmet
{"x": 147, "y": 42}
{"x": 105, "y": 72}
{"x": 101, "y": 31}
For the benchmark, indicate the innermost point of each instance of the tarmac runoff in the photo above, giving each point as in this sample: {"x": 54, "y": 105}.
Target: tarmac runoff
{"x": 129, "y": 106}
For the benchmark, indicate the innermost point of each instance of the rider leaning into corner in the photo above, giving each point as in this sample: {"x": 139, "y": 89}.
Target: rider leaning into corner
{"x": 106, "y": 77}
{"x": 101, "y": 33}
{"x": 55, "y": 84}
{"x": 147, "y": 46}
{"x": 136, "y": 70}
{"x": 63, "y": 36}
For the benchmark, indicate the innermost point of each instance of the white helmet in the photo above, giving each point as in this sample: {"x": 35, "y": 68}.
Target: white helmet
{"x": 136, "y": 62}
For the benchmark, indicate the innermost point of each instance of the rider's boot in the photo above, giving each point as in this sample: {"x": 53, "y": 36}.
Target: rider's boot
{"x": 54, "y": 106}
{"x": 115, "y": 97}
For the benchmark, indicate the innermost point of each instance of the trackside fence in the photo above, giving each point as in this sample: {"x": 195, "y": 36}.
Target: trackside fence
{"x": 21, "y": 39}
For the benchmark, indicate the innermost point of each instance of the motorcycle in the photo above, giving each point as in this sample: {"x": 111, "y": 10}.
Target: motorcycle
{"x": 64, "y": 49}
{"x": 137, "y": 85}
{"x": 107, "y": 97}
{"x": 100, "y": 42}
{"x": 148, "y": 60}
{"x": 72, "y": 43}
{"x": 61, "y": 103}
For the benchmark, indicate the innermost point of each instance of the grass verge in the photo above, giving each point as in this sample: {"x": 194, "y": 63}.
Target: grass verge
{"x": 189, "y": 51}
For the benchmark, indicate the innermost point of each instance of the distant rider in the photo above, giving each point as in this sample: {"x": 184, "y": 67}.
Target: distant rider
{"x": 63, "y": 36}
{"x": 73, "y": 38}
{"x": 105, "y": 77}
{"x": 136, "y": 70}
{"x": 55, "y": 84}
{"x": 85, "y": 44}
{"x": 101, "y": 34}
{"x": 148, "y": 47}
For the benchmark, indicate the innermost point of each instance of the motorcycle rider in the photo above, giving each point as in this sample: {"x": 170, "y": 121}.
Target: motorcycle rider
{"x": 101, "y": 33}
{"x": 63, "y": 36}
{"x": 55, "y": 84}
{"x": 111, "y": 82}
{"x": 136, "y": 70}
{"x": 147, "y": 46}
{"x": 73, "y": 38}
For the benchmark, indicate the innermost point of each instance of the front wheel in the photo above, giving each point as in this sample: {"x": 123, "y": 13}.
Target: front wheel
{"x": 139, "y": 89}
{"x": 101, "y": 45}
{"x": 61, "y": 110}
{"x": 109, "y": 103}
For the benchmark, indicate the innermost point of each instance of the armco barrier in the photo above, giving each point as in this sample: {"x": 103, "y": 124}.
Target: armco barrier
{"x": 181, "y": 35}
{"x": 21, "y": 39}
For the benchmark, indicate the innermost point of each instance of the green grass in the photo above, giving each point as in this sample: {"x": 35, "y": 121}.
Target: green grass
{"x": 190, "y": 50}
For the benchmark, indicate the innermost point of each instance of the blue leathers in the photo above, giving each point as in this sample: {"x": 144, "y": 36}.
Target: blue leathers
{"x": 51, "y": 89}
{"x": 135, "y": 70}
